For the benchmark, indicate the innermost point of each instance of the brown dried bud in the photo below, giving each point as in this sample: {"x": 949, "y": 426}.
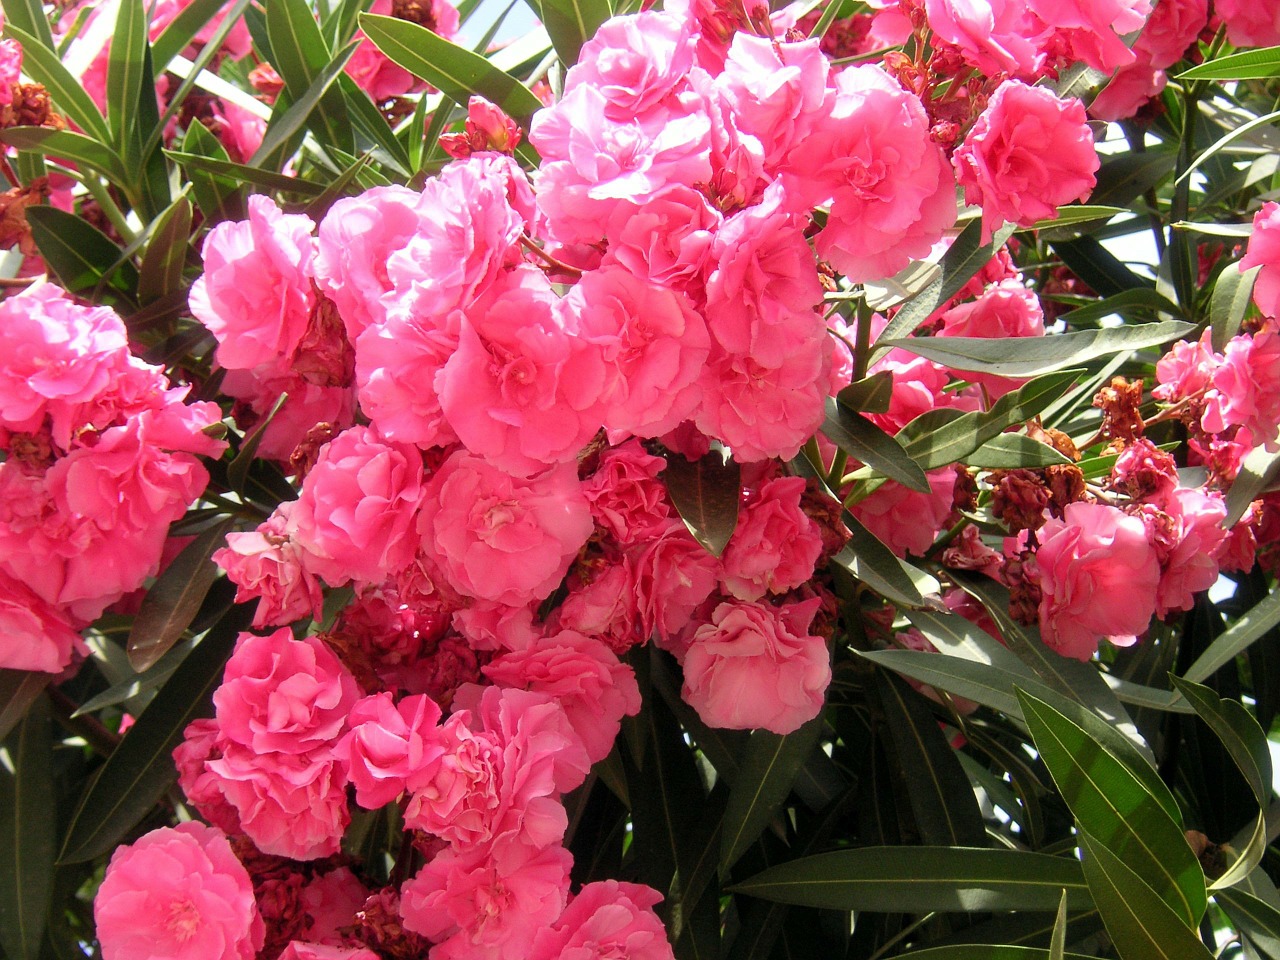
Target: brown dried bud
{"x": 420, "y": 12}
{"x": 1066, "y": 485}
{"x": 826, "y": 513}
{"x": 14, "y": 229}
{"x": 1212, "y": 857}
{"x": 964, "y": 495}
{"x": 378, "y": 924}
{"x": 1019, "y": 500}
{"x": 1120, "y": 403}
{"x": 1024, "y": 588}
{"x": 1054, "y": 438}
{"x": 306, "y": 453}
{"x": 31, "y": 107}
{"x": 324, "y": 356}
{"x": 34, "y": 450}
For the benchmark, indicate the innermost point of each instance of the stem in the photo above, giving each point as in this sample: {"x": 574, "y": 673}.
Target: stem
{"x": 547, "y": 258}
{"x": 109, "y": 208}
{"x": 862, "y": 348}
{"x": 102, "y": 740}
{"x": 1181, "y": 250}
{"x": 945, "y": 540}
{"x": 837, "y": 470}
{"x": 814, "y": 454}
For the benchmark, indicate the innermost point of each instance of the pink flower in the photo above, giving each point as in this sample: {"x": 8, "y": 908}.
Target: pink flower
{"x": 307, "y": 405}
{"x": 1003, "y": 310}
{"x": 667, "y": 239}
{"x": 1246, "y": 388}
{"x": 388, "y": 745}
{"x": 1128, "y": 91}
{"x": 905, "y": 520}
{"x": 331, "y": 901}
{"x": 355, "y": 515}
{"x": 10, "y": 69}
{"x": 281, "y": 695}
{"x": 1263, "y": 251}
{"x": 177, "y": 893}
{"x": 627, "y": 499}
{"x": 1028, "y": 154}
{"x": 674, "y": 574}
{"x": 201, "y": 742}
{"x": 606, "y": 918}
{"x": 499, "y": 538}
{"x": 996, "y": 36}
{"x": 34, "y": 634}
{"x": 265, "y": 563}
{"x": 756, "y": 666}
{"x": 583, "y": 675}
{"x": 1172, "y": 27}
{"x": 297, "y": 950}
{"x": 636, "y": 61}
{"x": 891, "y": 192}
{"x": 1190, "y": 563}
{"x": 604, "y": 606}
{"x": 1098, "y": 575}
{"x": 1186, "y": 370}
{"x": 1249, "y": 24}
{"x": 475, "y": 906}
{"x": 774, "y": 546}
{"x": 240, "y": 130}
{"x": 1091, "y": 30}
{"x": 399, "y": 367}
{"x": 255, "y": 294}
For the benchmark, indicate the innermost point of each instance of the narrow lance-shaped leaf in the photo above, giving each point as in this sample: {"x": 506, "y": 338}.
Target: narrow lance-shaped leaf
{"x": 301, "y": 55}
{"x": 571, "y": 23}
{"x": 1251, "y": 627}
{"x": 161, "y": 272}
{"x": 284, "y": 126}
{"x": 69, "y": 145}
{"x": 706, "y": 494}
{"x": 29, "y": 823}
{"x": 80, "y": 254}
{"x": 18, "y": 690}
{"x": 982, "y": 951}
{"x": 874, "y": 564}
{"x": 1254, "y": 917}
{"x": 125, "y": 69}
{"x": 864, "y": 441}
{"x": 1247, "y": 65}
{"x": 869, "y": 395}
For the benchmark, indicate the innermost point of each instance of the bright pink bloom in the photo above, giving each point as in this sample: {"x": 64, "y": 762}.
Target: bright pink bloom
{"x": 1091, "y": 30}
{"x": 388, "y": 745}
{"x": 996, "y": 36}
{"x": 1249, "y": 24}
{"x": 201, "y": 742}
{"x": 666, "y": 240}
{"x": 1004, "y": 310}
{"x": 674, "y": 574}
{"x": 10, "y": 69}
{"x": 1246, "y": 388}
{"x": 297, "y": 950}
{"x": 1128, "y": 91}
{"x": 34, "y": 634}
{"x": 627, "y": 499}
{"x": 331, "y": 901}
{"x": 255, "y": 294}
{"x": 774, "y": 546}
{"x": 1028, "y": 154}
{"x": 354, "y": 517}
{"x": 755, "y": 665}
{"x": 177, "y": 893}
{"x": 399, "y": 367}
{"x": 1098, "y": 575}
{"x": 499, "y": 538}
{"x": 1188, "y": 564}
{"x": 606, "y": 918}
{"x": 1264, "y": 251}
{"x": 281, "y": 695}
{"x": 604, "y": 606}
{"x": 635, "y": 61}
{"x": 1186, "y": 370}
{"x": 265, "y": 563}
{"x": 307, "y": 405}
{"x": 1172, "y": 27}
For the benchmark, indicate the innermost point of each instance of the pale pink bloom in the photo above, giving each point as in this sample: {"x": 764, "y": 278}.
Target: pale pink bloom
{"x": 457, "y": 797}
{"x": 651, "y": 346}
{"x": 1091, "y": 30}
{"x": 255, "y": 294}
{"x": 355, "y": 239}
{"x": 891, "y": 192}
{"x": 497, "y": 626}
{"x": 583, "y": 675}
{"x": 298, "y": 950}
{"x": 177, "y": 892}
{"x": 666, "y": 240}
{"x": 1098, "y": 574}
{"x": 756, "y": 666}
{"x": 521, "y": 389}
{"x": 475, "y": 906}
{"x": 240, "y": 130}
{"x": 355, "y": 515}
{"x": 674, "y": 574}
{"x": 331, "y": 901}
{"x": 1250, "y": 24}
{"x": 1189, "y": 564}
{"x": 34, "y": 634}
{"x": 996, "y": 36}
{"x": 627, "y": 499}
{"x": 1246, "y": 388}
{"x": 388, "y": 744}
{"x": 1128, "y": 91}
{"x": 289, "y": 805}
{"x": 10, "y": 69}
{"x": 606, "y": 918}
{"x": 1029, "y": 153}
{"x": 284, "y": 695}
{"x": 201, "y": 742}
{"x": 1263, "y": 251}
{"x": 774, "y": 546}
{"x": 1146, "y": 473}
{"x": 1172, "y": 27}
{"x": 635, "y": 61}
{"x": 1186, "y": 370}
{"x": 265, "y": 563}
{"x": 905, "y": 520}
{"x": 399, "y": 366}
{"x": 307, "y": 405}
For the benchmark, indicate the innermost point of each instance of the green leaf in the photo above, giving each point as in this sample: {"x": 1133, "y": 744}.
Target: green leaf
{"x": 978, "y": 951}
{"x": 1058, "y": 941}
{"x": 1232, "y": 293}
{"x": 1115, "y": 795}
{"x": 29, "y": 16}
{"x": 81, "y": 255}
{"x": 963, "y": 259}
{"x": 1138, "y": 303}
{"x": 874, "y": 564}
{"x": 1126, "y": 176}
{"x": 1259, "y": 470}
{"x": 166, "y": 256}
{"x": 42, "y": 65}
{"x": 18, "y": 690}
{"x": 69, "y": 146}
{"x": 138, "y": 773}
{"x": 921, "y": 879}
{"x": 1142, "y": 926}
{"x": 769, "y": 766}
{"x": 276, "y": 144}
{"x": 971, "y": 679}
{"x": 1032, "y": 356}
{"x": 1248, "y": 65}
{"x": 183, "y": 28}
{"x": 228, "y": 172}
{"x": 964, "y": 434}
{"x": 864, "y": 441}
{"x": 571, "y": 23}
{"x": 1011, "y": 451}
{"x": 942, "y": 801}
{"x": 28, "y": 819}
{"x": 706, "y": 494}
{"x": 1247, "y": 745}
{"x": 456, "y": 72}
{"x": 125, "y": 68}
{"x": 1255, "y": 918}
{"x": 1098, "y": 266}
{"x": 1077, "y": 214}
{"x": 217, "y": 193}
{"x": 369, "y": 121}
{"x": 131, "y": 687}
{"x": 175, "y": 598}
{"x": 1251, "y": 627}
{"x": 869, "y": 395}
{"x": 301, "y": 56}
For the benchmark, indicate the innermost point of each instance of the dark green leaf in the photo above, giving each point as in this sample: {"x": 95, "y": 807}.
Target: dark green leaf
{"x": 1248, "y": 629}
{"x": 1011, "y": 451}
{"x": 183, "y": 28}
{"x": 80, "y": 254}
{"x": 874, "y": 564}
{"x": 369, "y": 121}
{"x": 228, "y": 172}
{"x": 942, "y": 800}
{"x": 1115, "y": 795}
{"x": 126, "y": 690}
{"x": 571, "y": 23}
{"x": 1058, "y": 942}
{"x": 175, "y": 598}
{"x": 454, "y": 71}
{"x": 138, "y": 773}
{"x": 1126, "y": 176}
{"x": 1032, "y": 356}
{"x": 69, "y": 146}
{"x": 1139, "y": 303}
{"x": 29, "y": 16}
{"x": 302, "y": 57}
{"x": 42, "y": 65}
{"x": 217, "y": 192}
{"x": 125, "y": 67}
{"x": 920, "y": 879}
{"x": 1097, "y": 266}
{"x": 867, "y": 443}
{"x": 1255, "y": 918}
{"x": 977, "y": 951}
{"x": 162, "y": 264}
{"x": 1246, "y": 65}
{"x": 1259, "y": 470}
{"x": 706, "y": 494}
{"x": 769, "y": 766}
{"x": 870, "y": 395}
{"x": 284, "y": 126}
{"x": 18, "y": 690}
{"x": 1141, "y": 925}
{"x": 28, "y": 818}
{"x": 971, "y": 679}
{"x": 963, "y": 259}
